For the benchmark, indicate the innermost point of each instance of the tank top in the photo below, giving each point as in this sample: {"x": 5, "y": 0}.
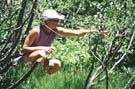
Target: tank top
{"x": 44, "y": 38}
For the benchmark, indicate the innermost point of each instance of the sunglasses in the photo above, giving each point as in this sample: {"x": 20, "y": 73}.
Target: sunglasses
{"x": 54, "y": 20}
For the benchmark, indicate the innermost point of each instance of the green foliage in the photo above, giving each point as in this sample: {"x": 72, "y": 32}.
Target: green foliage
{"x": 66, "y": 79}
{"x": 115, "y": 16}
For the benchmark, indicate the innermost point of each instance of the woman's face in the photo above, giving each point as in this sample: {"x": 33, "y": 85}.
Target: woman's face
{"x": 52, "y": 23}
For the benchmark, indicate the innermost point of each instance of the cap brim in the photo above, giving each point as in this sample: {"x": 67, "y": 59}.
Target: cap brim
{"x": 56, "y": 17}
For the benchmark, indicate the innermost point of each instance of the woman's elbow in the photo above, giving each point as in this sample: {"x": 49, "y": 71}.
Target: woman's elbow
{"x": 24, "y": 49}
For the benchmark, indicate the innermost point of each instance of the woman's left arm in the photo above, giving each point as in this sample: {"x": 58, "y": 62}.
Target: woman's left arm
{"x": 67, "y": 32}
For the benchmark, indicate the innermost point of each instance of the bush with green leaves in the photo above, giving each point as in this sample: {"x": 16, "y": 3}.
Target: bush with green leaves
{"x": 115, "y": 52}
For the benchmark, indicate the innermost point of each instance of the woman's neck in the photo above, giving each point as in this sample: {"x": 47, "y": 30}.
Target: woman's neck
{"x": 45, "y": 29}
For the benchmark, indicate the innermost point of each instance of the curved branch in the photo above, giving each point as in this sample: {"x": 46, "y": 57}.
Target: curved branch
{"x": 123, "y": 56}
{"x": 9, "y": 17}
{"x": 97, "y": 72}
{"x": 24, "y": 77}
{"x": 92, "y": 66}
{"x": 6, "y": 68}
{"x": 18, "y": 32}
{"x": 32, "y": 16}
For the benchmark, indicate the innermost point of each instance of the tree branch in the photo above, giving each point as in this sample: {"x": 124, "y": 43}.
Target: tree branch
{"x": 24, "y": 77}
{"x": 123, "y": 56}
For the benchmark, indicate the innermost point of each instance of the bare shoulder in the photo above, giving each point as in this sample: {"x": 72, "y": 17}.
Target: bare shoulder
{"x": 34, "y": 31}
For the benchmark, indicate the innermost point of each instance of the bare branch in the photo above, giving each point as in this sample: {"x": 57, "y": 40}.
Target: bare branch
{"x": 123, "y": 56}
{"x": 24, "y": 77}
{"x": 107, "y": 78}
{"x": 128, "y": 83}
{"x": 97, "y": 72}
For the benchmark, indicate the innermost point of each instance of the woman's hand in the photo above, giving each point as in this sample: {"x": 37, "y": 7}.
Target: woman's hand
{"x": 49, "y": 49}
{"x": 104, "y": 33}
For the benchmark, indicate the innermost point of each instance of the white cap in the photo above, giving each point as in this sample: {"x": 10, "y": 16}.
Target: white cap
{"x": 51, "y": 14}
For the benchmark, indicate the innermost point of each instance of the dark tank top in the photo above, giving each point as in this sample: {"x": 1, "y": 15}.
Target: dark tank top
{"x": 44, "y": 38}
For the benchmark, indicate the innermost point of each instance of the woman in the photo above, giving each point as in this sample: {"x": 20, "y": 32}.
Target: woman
{"x": 38, "y": 42}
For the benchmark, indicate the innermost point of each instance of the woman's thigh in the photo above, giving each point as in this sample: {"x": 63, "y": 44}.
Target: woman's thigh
{"x": 34, "y": 55}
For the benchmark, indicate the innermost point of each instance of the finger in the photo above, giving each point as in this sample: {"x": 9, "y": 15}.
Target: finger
{"x": 39, "y": 60}
{"x": 50, "y": 50}
{"x": 53, "y": 48}
{"x": 104, "y": 35}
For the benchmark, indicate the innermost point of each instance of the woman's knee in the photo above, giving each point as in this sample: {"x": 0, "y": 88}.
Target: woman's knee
{"x": 55, "y": 63}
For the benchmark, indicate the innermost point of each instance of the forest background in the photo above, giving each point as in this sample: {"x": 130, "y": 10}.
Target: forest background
{"x": 89, "y": 62}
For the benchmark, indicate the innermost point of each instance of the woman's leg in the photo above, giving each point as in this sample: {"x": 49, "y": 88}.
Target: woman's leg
{"x": 35, "y": 56}
{"x": 52, "y": 65}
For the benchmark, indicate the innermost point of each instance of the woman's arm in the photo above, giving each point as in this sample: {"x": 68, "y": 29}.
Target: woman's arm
{"x": 68, "y": 33}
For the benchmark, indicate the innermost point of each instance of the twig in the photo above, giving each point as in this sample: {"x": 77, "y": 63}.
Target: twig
{"x": 115, "y": 51}
{"x": 32, "y": 14}
{"x": 24, "y": 77}
{"x": 89, "y": 75}
{"x": 97, "y": 58}
{"x": 94, "y": 76}
{"x": 5, "y": 68}
{"x": 131, "y": 40}
{"x": 123, "y": 56}
{"x": 8, "y": 40}
{"x": 107, "y": 78}
{"x": 92, "y": 66}
{"x": 127, "y": 84}
{"x": 18, "y": 32}
{"x": 8, "y": 17}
